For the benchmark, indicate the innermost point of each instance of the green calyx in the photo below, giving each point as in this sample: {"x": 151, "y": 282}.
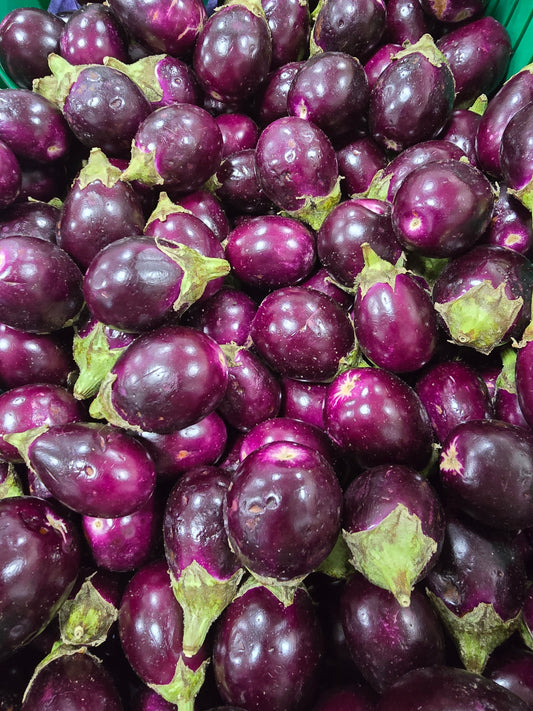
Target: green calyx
{"x": 94, "y": 358}
{"x": 379, "y": 186}
{"x": 184, "y": 687}
{"x": 525, "y": 195}
{"x": 477, "y": 633}
{"x": 142, "y": 167}
{"x": 337, "y": 565}
{"x": 101, "y": 408}
{"x": 98, "y": 168}
{"x": 143, "y": 73}
{"x": 481, "y": 317}
{"x": 426, "y": 46}
{"x": 22, "y": 441}
{"x": 253, "y": 6}
{"x": 202, "y": 598}
{"x": 377, "y": 270}
{"x": 393, "y": 554}
{"x": 506, "y": 379}
{"x": 56, "y": 87}
{"x": 164, "y": 208}
{"x": 11, "y": 485}
{"x": 479, "y": 105}
{"x": 315, "y": 209}
{"x": 86, "y": 619}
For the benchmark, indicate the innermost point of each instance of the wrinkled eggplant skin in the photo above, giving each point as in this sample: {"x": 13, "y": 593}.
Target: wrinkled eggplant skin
{"x": 441, "y": 688}
{"x": 73, "y": 681}
{"x": 39, "y": 563}
{"x": 257, "y": 634}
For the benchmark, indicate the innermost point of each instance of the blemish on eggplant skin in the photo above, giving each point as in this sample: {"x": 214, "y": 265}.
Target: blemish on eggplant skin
{"x": 450, "y": 461}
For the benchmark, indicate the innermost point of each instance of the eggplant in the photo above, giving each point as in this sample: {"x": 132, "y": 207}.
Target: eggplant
{"x": 204, "y": 571}
{"x": 167, "y": 379}
{"x": 285, "y": 429}
{"x": 270, "y": 101}
{"x": 39, "y": 564}
{"x": 478, "y": 588}
{"x": 379, "y": 61}
{"x": 524, "y": 375}
{"x": 30, "y": 218}
{"x": 10, "y": 176}
{"x": 266, "y": 654}
{"x": 515, "y": 155}
{"x": 506, "y": 402}
{"x": 511, "y": 666}
{"x": 204, "y": 205}
{"x": 226, "y": 316}
{"x": 406, "y": 21}
{"x": 239, "y": 132}
{"x": 358, "y": 162}
{"x": 510, "y": 225}
{"x": 462, "y": 128}
{"x": 349, "y": 697}
{"x": 413, "y": 98}
{"x": 453, "y": 11}
{"x": 289, "y": 22}
{"x": 320, "y": 280}
{"x": 91, "y": 33}
{"x": 238, "y": 186}
{"x": 303, "y": 401}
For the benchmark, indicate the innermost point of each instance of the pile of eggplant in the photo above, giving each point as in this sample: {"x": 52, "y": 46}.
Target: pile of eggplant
{"x": 266, "y": 358}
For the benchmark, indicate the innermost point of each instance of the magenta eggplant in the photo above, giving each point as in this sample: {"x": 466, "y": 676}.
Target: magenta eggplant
{"x": 91, "y": 33}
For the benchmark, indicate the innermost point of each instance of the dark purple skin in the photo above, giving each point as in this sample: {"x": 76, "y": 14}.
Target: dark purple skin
{"x": 337, "y": 112}
{"x": 34, "y": 405}
{"x": 198, "y": 445}
{"x": 349, "y": 225}
{"x": 295, "y": 159}
{"x": 253, "y": 393}
{"x": 232, "y": 54}
{"x": 378, "y": 417}
{"x": 379, "y": 61}
{"x": 350, "y": 26}
{"x": 511, "y": 666}
{"x": 25, "y": 27}
{"x": 95, "y": 215}
{"x": 442, "y": 688}
{"x": 104, "y": 109}
{"x": 452, "y": 392}
{"x": 271, "y": 251}
{"x": 30, "y": 218}
{"x": 33, "y": 127}
{"x": 204, "y": 205}
{"x": 239, "y": 132}
{"x": 148, "y": 700}
{"x": 321, "y": 280}
{"x": 516, "y": 150}
{"x": 238, "y": 186}
{"x": 226, "y": 316}
{"x": 10, "y": 176}
{"x": 289, "y": 22}
{"x": 411, "y": 101}
{"x": 73, "y": 680}
{"x": 150, "y": 624}
{"x": 92, "y": 33}
{"x": 124, "y": 543}
{"x": 28, "y": 358}
{"x": 303, "y": 401}
{"x": 186, "y": 145}
{"x": 395, "y": 323}
{"x": 507, "y": 408}
{"x": 510, "y": 225}
{"x": 524, "y": 380}
{"x": 497, "y": 491}
{"x": 453, "y": 10}
{"x": 385, "y": 639}
{"x": 168, "y": 379}
{"x": 513, "y": 95}
{"x": 265, "y": 654}
{"x": 162, "y": 26}
{"x": 406, "y": 21}
{"x": 302, "y": 333}
{"x": 358, "y": 162}
{"x": 461, "y": 130}
{"x": 43, "y": 182}
{"x": 348, "y": 697}
{"x": 39, "y": 564}
{"x": 94, "y": 469}
{"x": 271, "y": 96}
{"x": 285, "y": 429}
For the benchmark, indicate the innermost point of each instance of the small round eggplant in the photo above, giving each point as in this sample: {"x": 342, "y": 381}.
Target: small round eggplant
{"x": 10, "y": 176}
{"x": 238, "y": 186}
{"x": 167, "y": 379}
{"x": 30, "y": 218}
{"x": 239, "y": 132}
{"x": 303, "y": 401}
{"x": 289, "y": 22}
{"x": 379, "y": 61}
{"x": 516, "y": 155}
{"x": 406, "y": 21}
{"x": 511, "y": 666}
{"x": 321, "y": 281}
{"x": 91, "y": 33}
{"x": 510, "y": 225}
{"x": 271, "y": 97}
{"x": 226, "y": 316}
{"x": 506, "y": 402}
{"x": 39, "y": 563}
{"x": 393, "y": 524}
{"x": 283, "y": 512}
{"x": 524, "y": 377}
{"x": 350, "y": 26}
{"x": 358, "y": 162}
{"x": 204, "y": 205}
{"x": 285, "y": 429}
{"x": 453, "y": 10}
{"x": 378, "y": 417}
{"x": 385, "y": 639}
{"x": 266, "y": 654}
{"x": 302, "y": 333}
{"x": 413, "y": 97}
{"x": 462, "y": 128}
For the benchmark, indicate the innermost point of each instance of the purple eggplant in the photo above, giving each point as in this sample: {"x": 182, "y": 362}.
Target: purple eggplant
{"x": 510, "y": 98}
{"x": 516, "y": 154}
{"x": 289, "y": 22}
{"x": 510, "y": 225}
{"x": 33, "y": 127}
{"x": 477, "y": 587}
{"x": 524, "y": 376}
{"x": 340, "y": 112}
{"x": 385, "y": 639}
{"x": 271, "y": 251}
{"x": 10, "y": 176}
{"x": 204, "y": 205}
{"x": 303, "y": 401}
{"x": 167, "y": 379}
{"x": 348, "y": 697}
{"x": 413, "y": 98}
{"x": 379, "y": 61}
{"x": 478, "y": 53}
{"x": 496, "y": 490}
{"x": 271, "y": 97}
{"x": 39, "y": 564}
{"x": 285, "y": 429}
{"x": 446, "y": 688}
{"x": 151, "y": 627}
{"x": 162, "y": 26}
{"x": 197, "y": 445}
{"x": 452, "y": 392}
{"x": 204, "y": 571}
{"x": 238, "y": 187}
{"x": 233, "y": 52}
{"x": 266, "y": 654}
{"x": 32, "y": 406}
{"x": 358, "y": 162}
{"x": 462, "y": 128}
{"x": 506, "y": 403}
{"x": 239, "y": 132}
{"x": 511, "y": 666}
{"x": 76, "y": 679}
{"x": 394, "y": 319}
{"x": 322, "y": 281}
{"x": 226, "y": 316}
{"x": 45, "y": 182}
{"x": 27, "y": 36}
{"x": 453, "y": 10}
{"x": 406, "y": 21}
{"x": 393, "y": 524}
{"x": 347, "y": 227}
{"x": 92, "y": 33}
{"x": 302, "y": 333}
{"x": 378, "y": 417}
{"x": 484, "y": 296}
{"x": 30, "y": 218}
{"x": 298, "y": 169}
{"x": 348, "y": 26}
{"x": 177, "y": 146}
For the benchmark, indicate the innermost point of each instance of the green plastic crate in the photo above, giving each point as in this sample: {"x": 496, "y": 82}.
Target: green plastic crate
{"x": 515, "y": 15}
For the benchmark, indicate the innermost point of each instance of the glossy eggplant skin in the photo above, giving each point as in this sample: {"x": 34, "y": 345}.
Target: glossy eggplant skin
{"x": 39, "y": 563}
